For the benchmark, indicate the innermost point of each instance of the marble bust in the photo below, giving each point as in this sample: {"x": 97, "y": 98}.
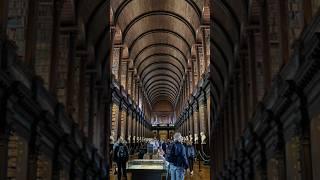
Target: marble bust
{"x": 190, "y": 137}
{"x": 129, "y": 139}
{"x": 196, "y": 138}
{"x": 112, "y": 139}
{"x": 203, "y": 138}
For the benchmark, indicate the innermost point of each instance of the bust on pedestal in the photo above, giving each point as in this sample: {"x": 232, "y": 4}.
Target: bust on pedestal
{"x": 203, "y": 138}
{"x": 190, "y": 137}
{"x": 112, "y": 139}
{"x": 196, "y": 139}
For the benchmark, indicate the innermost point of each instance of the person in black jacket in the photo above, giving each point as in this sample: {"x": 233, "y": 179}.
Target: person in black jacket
{"x": 121, "y": 156}
{"x": 191, "y": 155}
{"x": 177, "y": 158}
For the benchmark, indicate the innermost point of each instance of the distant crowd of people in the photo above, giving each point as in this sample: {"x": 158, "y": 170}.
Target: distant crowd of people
{"x": 178, "y": 153}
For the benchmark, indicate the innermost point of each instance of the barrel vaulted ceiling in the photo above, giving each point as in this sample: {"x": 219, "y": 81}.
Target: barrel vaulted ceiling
{"x": 159, "y": 35}
{"x": 170, "y": 42}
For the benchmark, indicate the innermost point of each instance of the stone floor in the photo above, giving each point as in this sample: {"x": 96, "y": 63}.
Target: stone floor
{"x": 202, "y": 174}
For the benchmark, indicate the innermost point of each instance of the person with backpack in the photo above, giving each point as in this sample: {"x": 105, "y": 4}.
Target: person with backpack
{"x": 177, "y": 158}
{"x": 190, "y": 155}
{"x": 121, "y": 156}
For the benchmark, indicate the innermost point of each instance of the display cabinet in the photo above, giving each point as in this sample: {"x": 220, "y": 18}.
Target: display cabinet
{"x": 147, "y": 169}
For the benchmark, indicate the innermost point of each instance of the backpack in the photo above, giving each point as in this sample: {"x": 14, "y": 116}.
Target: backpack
{"x": 122, "y": 153}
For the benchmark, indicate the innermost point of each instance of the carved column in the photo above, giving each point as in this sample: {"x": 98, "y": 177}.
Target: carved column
{"x": 188, "y": 122}
{"x": 260, "y": 162}
{"x": 134, "y": 125}
{"x": 305, "y": 134}
{"x": 231, "y": 119}
{"x": 198, "y": 122}
{"x": 198, "y": 63}
{"x": 33, "y": 153}
{"x": 82, "y": 95}
{"x": 71, "y": 73}
{"x": 31, "y": 32}
{"x": 191, "y": 123}
{"x": 127, "y": 76}
{"x": 4, "y": 134}
{"x": 265, "y": 43}
{"x": 205, "y": 113}
{"x": 252, "y": 72}
{"x": 284, "y": 42}
{"x": 119, "y": 120}
{"x": 57, "y": 162}
{"x": 55, "y": 46}
{"x": 3, "y": 18}
{"x": 193, "y": 74}
{"x": 119, "y": 67}
{"x": 244, "y": 88}
{"x": 91, "y": 105}
{"x": 204, "y": 45}
{"x": 126, "y": 124}
{"x": 138, "y": 125}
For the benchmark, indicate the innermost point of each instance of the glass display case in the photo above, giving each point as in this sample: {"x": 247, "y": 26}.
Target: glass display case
{"x": 147, "y": 169}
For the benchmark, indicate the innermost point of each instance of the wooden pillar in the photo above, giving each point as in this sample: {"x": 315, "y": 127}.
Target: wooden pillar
{"x": 31, "y": 32}
{"x": 138, "y": 125}
{"x": 55, "y": 46}
{"x": 126, "y": 124}
{"x": 226, "y": 132}
{"x": 205, "y": 114}
{"x": 56, "y": 163}
{"x": 119, "y": 67}
{"x": 265, "y": 44}
{"x": 252, "y": 69}
{"x": 192, "y": 123}
{"x": 133, "y": 128}
{"x": 33, "y": 152}
{"x": 132, "y": 86}
{"x": 204, "y": 46}
{"x": 82, "y": 95}
{"x": 231, "y": 119}
{"x": 198, "y": 64}
{"x": 187, "y": 122}
{"x": 4, "y": 135}
{"x": 193, "y": 74}
{"x": 284, "y": 30}
{"x": 127, "y": 76}
{"x": 119, "y": 120}
{"x": 307, "y": 10}
{"x": 71, "y": 73}
{"x": 244, "y": 86}
{"x": 91, "y": 105}
{"x": 198, "y": 121}
{"x": 237, "y": 108}
{"x": 3, "y": 19}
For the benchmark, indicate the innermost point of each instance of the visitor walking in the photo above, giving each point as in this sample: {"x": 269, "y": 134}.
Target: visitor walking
{"x": 191, "y": 155}
{"x": 121, "y": 156}
{"x": 178, "y": 158}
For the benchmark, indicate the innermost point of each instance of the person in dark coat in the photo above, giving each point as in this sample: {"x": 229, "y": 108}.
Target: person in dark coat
{"x": 121, "y": 156}
{"x": 177, "y": 158}
{"x": 191, "y": 154}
